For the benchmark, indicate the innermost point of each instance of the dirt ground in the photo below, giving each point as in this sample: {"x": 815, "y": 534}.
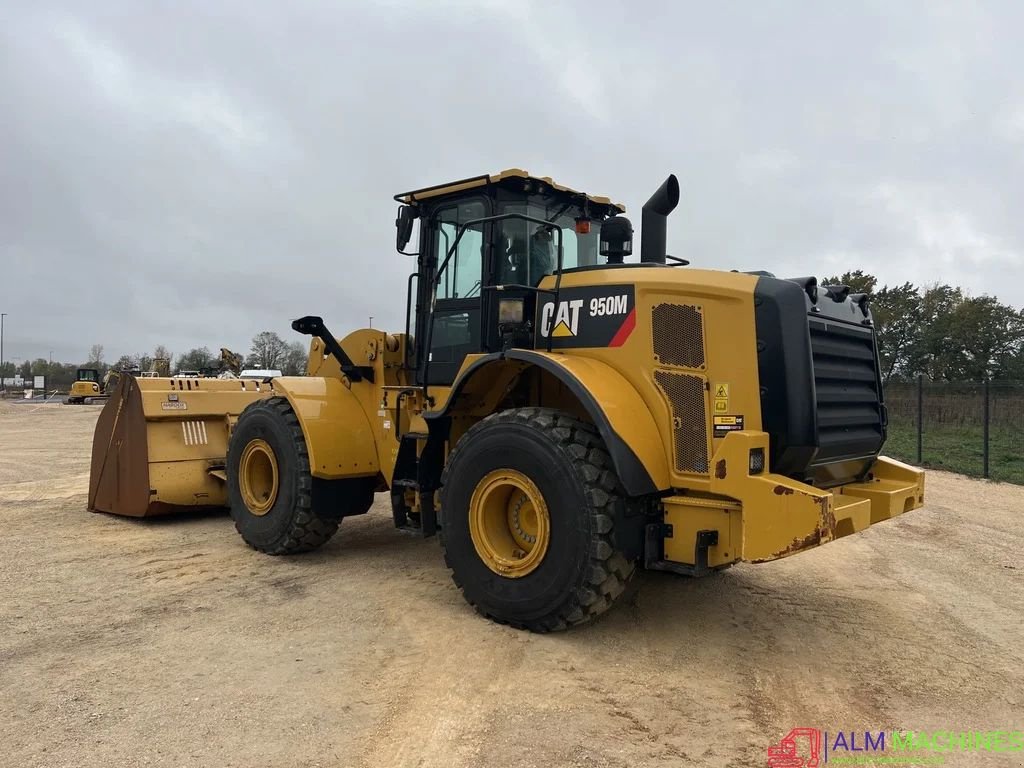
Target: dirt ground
{"x": 127, "y": 643}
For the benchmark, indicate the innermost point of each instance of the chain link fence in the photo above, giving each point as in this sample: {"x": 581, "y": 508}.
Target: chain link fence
{"x": 970, "y": 427}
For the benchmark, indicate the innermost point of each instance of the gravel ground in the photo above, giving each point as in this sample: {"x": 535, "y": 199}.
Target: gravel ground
{"x": 168, "y": 642}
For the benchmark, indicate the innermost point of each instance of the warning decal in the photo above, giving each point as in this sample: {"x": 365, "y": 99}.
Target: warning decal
{"x": 592, "y": 316}
{"x": 723, "y": 425}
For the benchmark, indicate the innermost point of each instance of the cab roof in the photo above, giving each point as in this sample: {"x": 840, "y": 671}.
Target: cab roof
{"x": 504, "y": 176}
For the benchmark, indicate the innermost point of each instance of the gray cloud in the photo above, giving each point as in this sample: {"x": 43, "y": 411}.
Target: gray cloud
{"x": 192, "y": 173}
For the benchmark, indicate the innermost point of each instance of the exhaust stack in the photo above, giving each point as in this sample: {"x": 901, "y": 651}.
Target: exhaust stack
{"x": 653, "y": 226}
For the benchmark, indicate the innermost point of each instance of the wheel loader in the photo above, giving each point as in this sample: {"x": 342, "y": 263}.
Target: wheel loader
{"x": 557, "y": 413}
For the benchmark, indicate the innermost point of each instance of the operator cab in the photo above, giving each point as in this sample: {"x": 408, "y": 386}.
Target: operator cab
{"x": 486, "y": 243}
{"x": 88, "y": 374}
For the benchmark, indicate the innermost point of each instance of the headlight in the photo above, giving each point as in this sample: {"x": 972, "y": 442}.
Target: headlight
{"x": 510, "y": 311}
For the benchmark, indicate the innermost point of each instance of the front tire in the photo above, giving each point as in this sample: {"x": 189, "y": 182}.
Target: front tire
{"x": 528, "y": 504}
{"x": 278, "y": 507}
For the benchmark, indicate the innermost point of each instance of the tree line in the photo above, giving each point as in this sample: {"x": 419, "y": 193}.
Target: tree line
{"x": 940, "y": 331}
{"x": 267, "y": 352}
{"x": 937, "y": 330}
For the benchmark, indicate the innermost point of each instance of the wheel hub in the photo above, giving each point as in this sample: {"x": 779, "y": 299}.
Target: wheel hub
{"x": 509, "y": 523}
{"x": 258, "y": 477}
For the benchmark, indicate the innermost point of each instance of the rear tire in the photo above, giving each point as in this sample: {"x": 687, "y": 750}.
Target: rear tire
{"x": 550, "y": 475}
{"x": 278, "y": 507}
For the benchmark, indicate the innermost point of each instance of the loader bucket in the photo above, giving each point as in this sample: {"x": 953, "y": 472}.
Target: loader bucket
{"x": 161, "y": 444}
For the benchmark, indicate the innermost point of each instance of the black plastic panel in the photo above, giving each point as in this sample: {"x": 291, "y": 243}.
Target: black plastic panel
{"x": 821, "y": 394}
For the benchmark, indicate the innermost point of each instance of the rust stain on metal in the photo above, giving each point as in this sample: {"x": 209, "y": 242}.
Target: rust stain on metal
{"x": 798, "y": 544}
{"x": 828, "y": 518}
{"x": 782, "y": 490}
{"x": 720, "y": 469}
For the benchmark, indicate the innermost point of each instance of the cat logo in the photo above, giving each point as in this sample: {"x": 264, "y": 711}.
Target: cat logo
{"x": 586, "y": 316}
{"x": 566, "y": 320}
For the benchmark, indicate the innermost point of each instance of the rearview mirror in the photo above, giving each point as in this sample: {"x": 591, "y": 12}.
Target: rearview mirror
{"x": 406, "y": 218}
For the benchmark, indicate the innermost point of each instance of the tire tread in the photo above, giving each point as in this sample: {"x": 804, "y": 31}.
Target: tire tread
{"x": 607, "y": 573}
{"x": 308, "y": 530}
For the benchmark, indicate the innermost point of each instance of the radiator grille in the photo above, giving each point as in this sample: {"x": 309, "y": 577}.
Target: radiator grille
{"x": 689, "y": 422}
{"x": 850, "y": 419}
{"x": 678, "y": 331}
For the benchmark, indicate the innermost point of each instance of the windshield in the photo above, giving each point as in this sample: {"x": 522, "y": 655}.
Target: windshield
{"x": 528, "y": 251}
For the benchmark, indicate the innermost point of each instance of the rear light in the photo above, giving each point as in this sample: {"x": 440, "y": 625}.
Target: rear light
{"x": 756, "y": 461}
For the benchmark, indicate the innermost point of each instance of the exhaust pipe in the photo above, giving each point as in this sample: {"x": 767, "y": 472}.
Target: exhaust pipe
{"x": 653, "y": 226}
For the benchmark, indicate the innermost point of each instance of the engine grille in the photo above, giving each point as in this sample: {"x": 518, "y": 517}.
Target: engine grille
{"x": 689, "y": 422}
{"x": 849, "y": 408}
{"x": 678, "y": 335}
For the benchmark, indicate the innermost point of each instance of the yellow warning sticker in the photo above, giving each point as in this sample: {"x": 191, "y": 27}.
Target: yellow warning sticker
{"x": 723, "y": 421}
{"x": 722, "y": 390}
{"x": 721, "y": 405}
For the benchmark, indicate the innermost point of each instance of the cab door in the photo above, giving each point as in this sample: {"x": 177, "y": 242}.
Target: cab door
{"x": 456, "y": 319}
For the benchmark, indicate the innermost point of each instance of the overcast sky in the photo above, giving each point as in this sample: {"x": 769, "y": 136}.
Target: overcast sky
{"x": 189, "y": 173}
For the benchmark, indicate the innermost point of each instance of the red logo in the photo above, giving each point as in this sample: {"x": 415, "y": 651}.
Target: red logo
{"x": 787, "y": 755}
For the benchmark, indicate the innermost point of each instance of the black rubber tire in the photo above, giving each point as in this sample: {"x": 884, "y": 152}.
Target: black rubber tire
{"x": 307, "y": 510}
{"x": 581, "y": 574}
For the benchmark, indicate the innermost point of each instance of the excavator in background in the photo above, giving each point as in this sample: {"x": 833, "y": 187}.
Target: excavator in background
{"x": 560, "y": 417}
{"x": 89, "y": 386}
{"x": 230, "y": 363}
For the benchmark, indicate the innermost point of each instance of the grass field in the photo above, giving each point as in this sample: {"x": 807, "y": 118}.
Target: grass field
{"x": 959, "y": 449}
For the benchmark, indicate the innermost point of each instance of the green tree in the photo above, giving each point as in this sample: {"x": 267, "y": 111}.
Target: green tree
{"x": 989, "y": 334}
{"x": 25, "y": 369}
{"x": 858, "y": 280}
{"x": 897, "y": 315}
{"x": 937, "y": 350}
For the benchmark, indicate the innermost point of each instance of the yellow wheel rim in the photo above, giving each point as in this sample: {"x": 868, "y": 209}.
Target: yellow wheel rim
{"x": 257, "y": 477}
{"x": 509, "y": 523}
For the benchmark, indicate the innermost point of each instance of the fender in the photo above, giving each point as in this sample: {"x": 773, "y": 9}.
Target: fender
{"x": 613, "y": 404}
{"x": 338, "y": 435}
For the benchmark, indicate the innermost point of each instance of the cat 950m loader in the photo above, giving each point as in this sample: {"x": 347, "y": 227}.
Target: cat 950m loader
{"x": 558, "y": 415}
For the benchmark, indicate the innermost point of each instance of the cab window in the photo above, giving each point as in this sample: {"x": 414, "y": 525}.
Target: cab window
{"x": 461, "y": 277}
{"x": 528, "y": 251}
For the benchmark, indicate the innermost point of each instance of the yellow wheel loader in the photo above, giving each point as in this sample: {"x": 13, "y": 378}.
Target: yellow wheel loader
{"x": 557, "y": 415}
